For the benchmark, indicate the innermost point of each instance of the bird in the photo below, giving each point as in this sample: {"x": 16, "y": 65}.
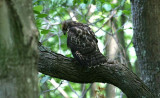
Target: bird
{"x": 83, "y": 44}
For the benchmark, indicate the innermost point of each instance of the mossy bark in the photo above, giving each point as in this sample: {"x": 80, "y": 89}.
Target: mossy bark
{"x": 18, "y": 50}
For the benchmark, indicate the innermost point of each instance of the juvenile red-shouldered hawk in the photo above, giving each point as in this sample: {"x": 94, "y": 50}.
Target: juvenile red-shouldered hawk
{"x": 83, "y": 43}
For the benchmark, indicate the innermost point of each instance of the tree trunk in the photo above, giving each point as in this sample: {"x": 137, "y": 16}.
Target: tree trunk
{"x": 18, "y": 50}
{"x": 146, "y": 23}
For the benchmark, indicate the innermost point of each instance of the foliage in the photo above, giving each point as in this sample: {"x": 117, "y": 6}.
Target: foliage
{"x": 102, "y": 16}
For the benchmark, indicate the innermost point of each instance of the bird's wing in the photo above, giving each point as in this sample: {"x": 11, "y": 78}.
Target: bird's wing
{"x": 81, "y": 40}
{"x": 82, "y": 44}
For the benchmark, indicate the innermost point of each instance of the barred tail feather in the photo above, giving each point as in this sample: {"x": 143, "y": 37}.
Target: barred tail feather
{"x": 97, "y": 58}
{"x": 92, "y": 59}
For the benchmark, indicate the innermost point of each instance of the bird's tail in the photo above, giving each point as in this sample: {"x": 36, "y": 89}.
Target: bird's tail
{"x": 97, "y": 58}
{"x": 93, "y": 59}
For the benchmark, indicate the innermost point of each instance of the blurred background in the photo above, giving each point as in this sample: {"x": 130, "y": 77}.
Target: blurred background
{"x": 112, "y": 23}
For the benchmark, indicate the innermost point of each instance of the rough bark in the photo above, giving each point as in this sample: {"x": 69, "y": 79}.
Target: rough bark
{"x": 62, "y": 67}
{"x": 18, "y": 50}
{"x": 146, "y": 23}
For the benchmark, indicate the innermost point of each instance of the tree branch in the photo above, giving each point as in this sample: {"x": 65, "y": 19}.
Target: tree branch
{"x": 59, "y": 66}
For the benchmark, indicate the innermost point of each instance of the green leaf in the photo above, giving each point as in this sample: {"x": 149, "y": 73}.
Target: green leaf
{"x": 94, "y": 2}
{"x": 44, "y": 79}
{"x": 130, "y": 28}
{"x": 85, "y": 1}
{"x": 126, "y": 12}
{"x": 102, "y": 1}
{"x": 119, "y": 13}
{"x": 77, "y": 2}
{"x": 45, "y": 31}
{"x": 38, "y": 8}
{"x": 36, "y": 12}
{"x": 69, "y": 2}
{"x": 120, "y": 30}
{"x": 82, "y": 6}
{"x": 42, "y": 15}
{"x": 107, "y": 7}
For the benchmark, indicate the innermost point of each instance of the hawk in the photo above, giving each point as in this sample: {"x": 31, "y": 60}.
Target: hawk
{"x": 83, "y": 44}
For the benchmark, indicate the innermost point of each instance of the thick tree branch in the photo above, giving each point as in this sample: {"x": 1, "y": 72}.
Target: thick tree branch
{"x": 59, "y": 66}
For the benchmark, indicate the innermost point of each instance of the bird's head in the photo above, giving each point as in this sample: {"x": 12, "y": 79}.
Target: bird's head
{"x": 66, "y": 25}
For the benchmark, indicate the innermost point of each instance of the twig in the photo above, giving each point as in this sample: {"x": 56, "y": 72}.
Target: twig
{"x": 129, "y": 43}
{"x": 112, "y": 14}
{"x": 59, "y": 34}
{"x": 85, "y": 91}
{"x": 53, "y": 89}
{"x": 49, "y": 36}
{"x": 87, "y": 12}
{"x": 59, "y": 89}
{"x": 73, "y": 89}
